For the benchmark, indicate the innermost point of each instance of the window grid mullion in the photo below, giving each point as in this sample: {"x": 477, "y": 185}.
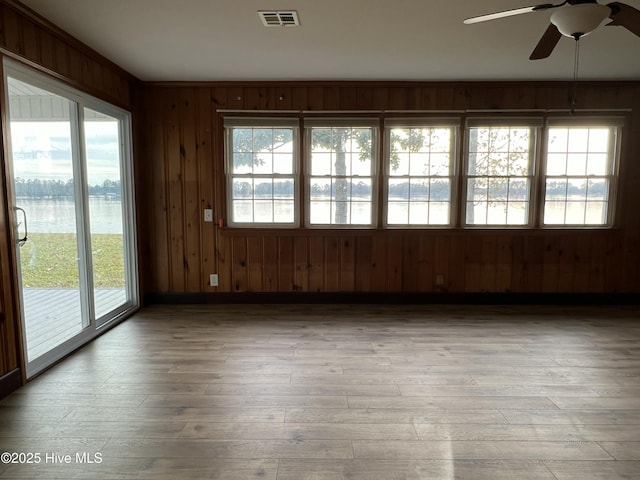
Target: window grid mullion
{"x": 505, "y": 191}
{"x": 580, "y": 206}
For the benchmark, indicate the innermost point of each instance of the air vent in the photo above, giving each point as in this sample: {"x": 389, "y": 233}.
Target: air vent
{"x": 272, "y": 18}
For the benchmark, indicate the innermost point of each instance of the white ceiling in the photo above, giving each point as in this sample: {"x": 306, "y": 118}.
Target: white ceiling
{"x": 221, "y": 40}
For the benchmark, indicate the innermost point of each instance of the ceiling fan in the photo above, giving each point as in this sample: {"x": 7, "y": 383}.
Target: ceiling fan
{"x": 577, "y": 19}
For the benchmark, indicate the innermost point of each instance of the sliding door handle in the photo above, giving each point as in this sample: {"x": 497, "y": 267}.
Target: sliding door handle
{"x": 22, "y": 240}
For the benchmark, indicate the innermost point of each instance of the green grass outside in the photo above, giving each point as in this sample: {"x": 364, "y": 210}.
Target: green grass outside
{"x": 50, "y": 260}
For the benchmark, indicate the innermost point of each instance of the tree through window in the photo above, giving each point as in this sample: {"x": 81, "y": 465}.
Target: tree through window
{"x": 499, "y": 174}
{"x": 261, "y": 166}
{"x": 341, "y": 173}
{"x": 505, "y": 178}
{"x": 420, "y": 172}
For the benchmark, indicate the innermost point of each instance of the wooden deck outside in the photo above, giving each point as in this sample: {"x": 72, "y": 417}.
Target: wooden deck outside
{"x": 53, "y": 315}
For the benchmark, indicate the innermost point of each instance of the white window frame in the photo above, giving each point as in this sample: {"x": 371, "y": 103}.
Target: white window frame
{"x": 231, "y": 123}
{"x": 536, "y": 177}
{"x": 453, "y": 124}
{"x": 615, "y": 125}
{"x": 535, "y": 125}
{"x": 374, "y": 125}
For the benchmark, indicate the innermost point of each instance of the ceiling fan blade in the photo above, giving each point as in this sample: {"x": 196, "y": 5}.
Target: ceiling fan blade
{"x": 626, "y": 16}
{"x": 547, "y": 43}
{"x": 509, "y": 13}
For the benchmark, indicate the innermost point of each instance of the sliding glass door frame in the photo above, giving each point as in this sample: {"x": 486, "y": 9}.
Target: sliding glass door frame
{"x": 79, "y": 103}
{"x": 128, "y": 205}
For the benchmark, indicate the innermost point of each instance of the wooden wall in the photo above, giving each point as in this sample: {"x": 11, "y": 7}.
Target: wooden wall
{"x": 182, "y": 161}
{"x": 9, "y": 359}
{"x": 30, "y": 39}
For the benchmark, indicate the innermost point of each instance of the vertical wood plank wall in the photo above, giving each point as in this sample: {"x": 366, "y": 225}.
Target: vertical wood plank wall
{"x": 29, "y": 38}
{"x": 182, "y": 161}
{"x": 8, "y": 324}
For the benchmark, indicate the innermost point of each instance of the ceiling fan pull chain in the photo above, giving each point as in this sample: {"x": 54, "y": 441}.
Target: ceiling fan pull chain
{"x": 576, "y": 64}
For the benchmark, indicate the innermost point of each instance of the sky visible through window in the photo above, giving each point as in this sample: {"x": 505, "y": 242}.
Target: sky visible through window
{"x": 42, "y": 150}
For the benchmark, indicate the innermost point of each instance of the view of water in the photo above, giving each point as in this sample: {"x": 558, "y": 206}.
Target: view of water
{"x": 401, "y": 212}
{"x": 58, "y": 216}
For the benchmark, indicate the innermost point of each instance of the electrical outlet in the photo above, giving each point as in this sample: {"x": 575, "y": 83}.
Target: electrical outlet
{"x": 208, "y": 215}
{"x": 213, "y": 280}
{"x": 439, "y": 279}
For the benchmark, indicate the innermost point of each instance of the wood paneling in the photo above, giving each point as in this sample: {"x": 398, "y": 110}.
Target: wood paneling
{"x": 28, "y": 36}
{"x": 9, "y": 325}
{"x": 184, "y": 161}
{"x": 9, "y": 359}
{"x": 412, "y": 262}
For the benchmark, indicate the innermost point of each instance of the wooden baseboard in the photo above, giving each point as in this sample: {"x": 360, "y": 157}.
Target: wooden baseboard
{"x": 10, "y": 382}
{"x": 396, "y": 298}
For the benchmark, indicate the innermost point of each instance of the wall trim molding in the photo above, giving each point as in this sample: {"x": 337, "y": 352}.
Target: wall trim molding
{"x": 479, "y": 298}
{"x": 10, "y": 382}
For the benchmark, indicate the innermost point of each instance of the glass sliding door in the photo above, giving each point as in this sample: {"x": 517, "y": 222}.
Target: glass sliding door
{"x": 50, "y": 253}
{"x": 107, "y": 222}
{"x": 69, "y": 168}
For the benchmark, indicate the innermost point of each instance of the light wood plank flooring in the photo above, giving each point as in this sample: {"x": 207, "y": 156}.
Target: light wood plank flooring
{"x": 329, "y": 392}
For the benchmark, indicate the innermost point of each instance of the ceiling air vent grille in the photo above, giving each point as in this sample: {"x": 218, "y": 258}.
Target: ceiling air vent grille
{"x": 272, "y": 18}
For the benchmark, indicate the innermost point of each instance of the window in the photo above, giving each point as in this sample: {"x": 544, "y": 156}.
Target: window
{"x": 519, "y": 171}
{"x": 262, "y": 166}
{"x": 341, "y": 172}
{"x": 499, "y": 173}
{"x": 579, "y": 173}
{"x": 420, "y": 161}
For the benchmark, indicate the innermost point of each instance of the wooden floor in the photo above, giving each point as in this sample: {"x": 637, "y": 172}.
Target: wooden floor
{"x": 340, "y": 392}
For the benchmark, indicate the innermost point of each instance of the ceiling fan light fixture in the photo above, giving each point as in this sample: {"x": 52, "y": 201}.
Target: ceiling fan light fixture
{"x": 579, "y": 20}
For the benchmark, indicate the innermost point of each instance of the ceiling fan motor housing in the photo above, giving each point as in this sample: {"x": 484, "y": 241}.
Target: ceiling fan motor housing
{"x": 572, "y": 18}
{"x": 580, "y": 19}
